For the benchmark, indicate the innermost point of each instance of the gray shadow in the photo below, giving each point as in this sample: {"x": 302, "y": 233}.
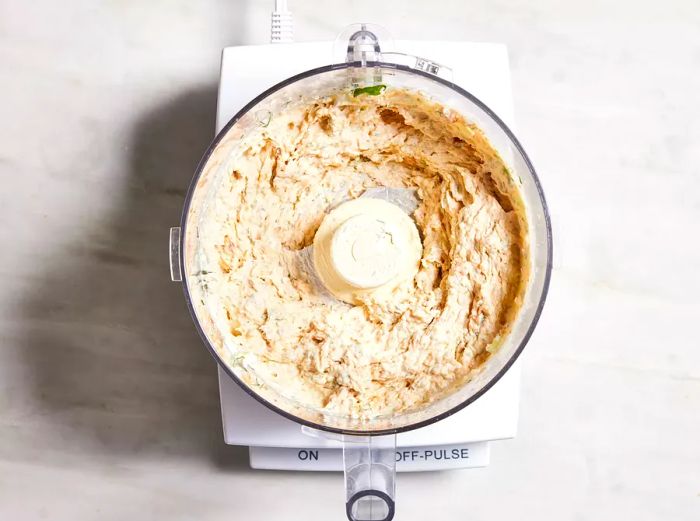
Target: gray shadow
{"x": 116, "y": 367}
{"x": 115, "y": 361}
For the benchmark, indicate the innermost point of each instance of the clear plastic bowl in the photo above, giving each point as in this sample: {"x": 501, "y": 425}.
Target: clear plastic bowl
{"x": 319, "y": 83}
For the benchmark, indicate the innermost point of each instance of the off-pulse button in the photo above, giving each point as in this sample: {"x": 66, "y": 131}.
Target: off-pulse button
{"x": 433, "y": 454}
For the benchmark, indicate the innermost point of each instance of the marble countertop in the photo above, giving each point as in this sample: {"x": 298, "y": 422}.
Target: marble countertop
{"x": 108, "y": 401}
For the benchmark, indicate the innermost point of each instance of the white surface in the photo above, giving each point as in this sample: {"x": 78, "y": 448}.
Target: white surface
{"x": 108, "y": 403}
{"x": 480, "y": 68}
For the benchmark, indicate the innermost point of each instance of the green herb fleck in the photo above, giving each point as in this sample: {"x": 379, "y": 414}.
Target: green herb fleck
{"x": 263, "y": 117}
{"x": 512, "y": 177}
{"x": 495, "y": 344}
{"x": 372, "y": 90}
{"x": 238, "y": 360}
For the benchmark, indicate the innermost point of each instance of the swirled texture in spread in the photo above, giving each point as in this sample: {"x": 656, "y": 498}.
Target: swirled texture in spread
{"x": 393, "y": 350}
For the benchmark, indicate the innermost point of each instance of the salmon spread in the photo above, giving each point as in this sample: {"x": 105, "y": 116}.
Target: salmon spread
{"x": 322, "y": 292}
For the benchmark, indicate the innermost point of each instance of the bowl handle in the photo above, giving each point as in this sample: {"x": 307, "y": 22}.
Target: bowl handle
{"x": 369, "y": 465}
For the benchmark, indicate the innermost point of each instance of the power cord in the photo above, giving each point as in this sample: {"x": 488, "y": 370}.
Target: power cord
{"x": 282, "y": 23}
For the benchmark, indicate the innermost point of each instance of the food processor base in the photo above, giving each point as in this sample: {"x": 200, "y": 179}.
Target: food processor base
{"x": 459, "y": 441}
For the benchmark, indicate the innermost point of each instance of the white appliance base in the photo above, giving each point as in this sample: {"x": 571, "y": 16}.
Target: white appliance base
{"x": 459, "y": 441}
{"x": 408, "y": 459}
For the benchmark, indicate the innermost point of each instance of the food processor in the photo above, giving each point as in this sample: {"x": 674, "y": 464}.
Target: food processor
{"x": 364, "y": 57}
